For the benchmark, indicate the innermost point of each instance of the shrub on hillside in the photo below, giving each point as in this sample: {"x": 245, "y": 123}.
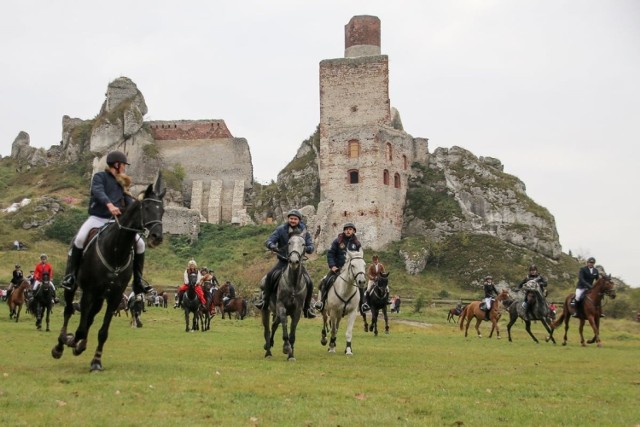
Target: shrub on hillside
{"x": 66, "y": 225}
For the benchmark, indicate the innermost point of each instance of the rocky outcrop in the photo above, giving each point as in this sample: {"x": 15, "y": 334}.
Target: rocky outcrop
{"x": 28, "y": 156}
{"x": 487, "y": 201}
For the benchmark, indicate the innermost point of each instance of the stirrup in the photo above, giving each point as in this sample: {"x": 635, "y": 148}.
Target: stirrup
{"x": 259, "y": 304}
{"x": 319, "y": 305}
{"x": 309, "y": 313}
{"x": 365, "y": 307}
{"x": 68, "y": 282}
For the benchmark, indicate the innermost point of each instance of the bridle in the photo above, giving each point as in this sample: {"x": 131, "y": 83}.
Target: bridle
{"x": 145, "y": 227}
{"x": 355, "y": 275}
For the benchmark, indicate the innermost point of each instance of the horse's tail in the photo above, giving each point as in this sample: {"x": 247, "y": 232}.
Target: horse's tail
{"x": 463, "y": 314}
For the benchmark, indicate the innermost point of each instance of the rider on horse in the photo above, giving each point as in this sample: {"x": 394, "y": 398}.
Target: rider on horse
{"x": 374, "y": 271}
{"x": 586, "y": 276}
{"x": 490, "y": 291}
{"x": 538, "y": 278}
{"x": 336, "y": 257}
{"x": 278, "y": 242}
{"x": 109, "y": 196}
{"x": 18, "y": 275}
{"x": 229, "y": 294}
{"x": 192, "y": 268}
{"x": 43, "y": 268}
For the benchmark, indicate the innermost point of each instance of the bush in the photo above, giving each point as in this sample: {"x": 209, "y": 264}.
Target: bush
{"x": 419, "y": 304}
{"x": 66, "y": 225}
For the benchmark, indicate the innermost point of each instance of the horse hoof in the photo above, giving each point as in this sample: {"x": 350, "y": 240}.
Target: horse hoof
{"x": 366, "y": 328}
{"x": 96, "y": 367}
{"x": 375, "y": 333}
{"x": 291, "y": 359}
{"x": 499, "y": 338}
{"x": 55, "y": 353}
{"x": 348, "y": 352}
{"x": 331, "y": 350}
{"x": 323, "y": 341}
{"x": 267, "y": 355}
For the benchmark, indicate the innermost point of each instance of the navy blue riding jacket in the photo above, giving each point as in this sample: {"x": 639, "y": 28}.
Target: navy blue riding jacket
{"x": 337, "y": 254}
{"x": 279, "y": 239}
{"x": 106, "y": 189}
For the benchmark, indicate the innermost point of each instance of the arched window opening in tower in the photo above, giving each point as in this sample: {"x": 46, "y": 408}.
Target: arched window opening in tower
{"x": 389, "y": 152}
{"x": 354, "y": 177}
{"x": 396, "y": 180}
{"x": 405, "y": 162}
{"x": 354, "y": 149}
{"x": 385, "y": 177}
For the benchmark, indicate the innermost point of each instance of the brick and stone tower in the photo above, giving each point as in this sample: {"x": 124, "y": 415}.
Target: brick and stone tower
{"x": 364, "y": 161}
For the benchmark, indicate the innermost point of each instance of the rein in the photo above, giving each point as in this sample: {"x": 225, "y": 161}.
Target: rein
{"x": 144, "y": 229}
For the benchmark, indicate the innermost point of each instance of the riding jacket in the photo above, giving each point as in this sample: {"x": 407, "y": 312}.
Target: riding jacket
{"x": 586, "y": 277}
{"x": 41, "y": 269}
{"x": 490, "y": 290}
{"x": 17, "y": 276}
{"x": 106, "y": 189}
{"x": 279, "y": 239}
{"x": 337, "y": 254}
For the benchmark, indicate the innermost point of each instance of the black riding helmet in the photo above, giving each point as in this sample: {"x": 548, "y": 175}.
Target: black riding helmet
{"x": 295, "y": 212}
{"x": 349, "y": 224}
{"x": 115, "y": 157}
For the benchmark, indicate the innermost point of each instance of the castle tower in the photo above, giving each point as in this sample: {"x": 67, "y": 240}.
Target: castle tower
{"x": 364, "y": 162}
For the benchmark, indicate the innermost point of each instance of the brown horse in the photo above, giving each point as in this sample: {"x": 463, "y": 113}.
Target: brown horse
{"x": 234, "y": 305}
{"x": 473, "y": 310}
{"x": 17, "y": 299}
{"x": 591, "y": 310}
{"x": 456, "y": 311}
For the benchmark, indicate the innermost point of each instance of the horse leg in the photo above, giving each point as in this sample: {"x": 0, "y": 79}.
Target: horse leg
{"x": 580, "y": 330}
{"x": 334, "y": 331}
{"x": 364, "y": 319}
{"x": 512, "y": 320}
{"x": 39, "y": 317}
{"x": 386, "y": 320}
{"x": 266, "y": 332}
{"x": 549, "y": 331}
{"x": 56, "y": 351}
{"x": 596, "y": 331}
{"x": 527, "y": 325}
{"x": 186, "y": 320}
{"x": 292, "y": 335}
{"x": 478, "y": 322}
{"x": 323, "y": 340}
{"x": 47, "y": 319}
{"x": 286, "y": 342}
{"x": 86, "y": 320}
{"x": 103, "y": 335}
{"x": 349, "y": 333}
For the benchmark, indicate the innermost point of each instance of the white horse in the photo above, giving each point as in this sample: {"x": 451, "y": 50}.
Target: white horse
{"x": 343, "y": 300}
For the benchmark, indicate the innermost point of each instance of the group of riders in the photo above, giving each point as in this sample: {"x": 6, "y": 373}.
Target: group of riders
{"x": 205, "y": 285}
{"x": 110, "y": 194}
{"x": 586, "y": 277}
{"x": 41, "y": 274}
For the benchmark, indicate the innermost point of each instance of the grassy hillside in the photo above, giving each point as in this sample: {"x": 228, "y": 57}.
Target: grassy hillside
{"x": 454, "y": 270}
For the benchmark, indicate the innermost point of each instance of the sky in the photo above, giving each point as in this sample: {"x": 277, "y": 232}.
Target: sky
{"x": 549, "y": 87}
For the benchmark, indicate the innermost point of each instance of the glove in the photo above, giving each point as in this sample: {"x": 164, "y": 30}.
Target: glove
{"x": 308, "y": 249}
{"x": 273, "y": 246}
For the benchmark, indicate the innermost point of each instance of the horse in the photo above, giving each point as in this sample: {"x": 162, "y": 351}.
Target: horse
{"x": 106, "y": 270}
{"x": 17, "y": 299}
{"x": 343, "y": 300}
{"x": 135, "y": 306}
{"x": 378, "y": 298}
{"x": 473, "y": 310}
{"x": 233, "y": 305}
{"x": 537, "y": 309}
{"x": 43, "y": 302}
{"x": 122, "y": 306}
{"x": 287, "y": 299}
{"x": 191, "y": 305}
{"x": 591, "y": 310}
{"x": 456, "y": 311}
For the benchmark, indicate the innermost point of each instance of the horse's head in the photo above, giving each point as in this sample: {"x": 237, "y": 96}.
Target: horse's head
{"x": 295, "y": 250}
{"x": 357, "y": 267}
{"x": 383, "y": 279}
{"x": 193, "y": 279}
{"x": 607, "y": 285}
{"x": 151, "y": 211}
{"x": 504, "y": 295}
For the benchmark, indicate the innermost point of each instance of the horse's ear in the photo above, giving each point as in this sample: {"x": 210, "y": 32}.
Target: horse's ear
{"x": 148, "y": 192}
{"x": 158, "y": 186}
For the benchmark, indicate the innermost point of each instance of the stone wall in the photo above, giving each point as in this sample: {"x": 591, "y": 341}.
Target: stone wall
{"x": 181, "y": 221}
{"x": 188, "y": 129}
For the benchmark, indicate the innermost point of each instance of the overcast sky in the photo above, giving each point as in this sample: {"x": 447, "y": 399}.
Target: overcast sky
{"x": 551, "y": 88}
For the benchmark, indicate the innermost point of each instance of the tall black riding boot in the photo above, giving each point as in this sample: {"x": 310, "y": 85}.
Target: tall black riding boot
{"x": 363, "y": 304}
{"x": 265, "y": 295}
{"x": 73, "y": 264}
{"x": 578, "y": 307}
{"x": 138, "y": 267}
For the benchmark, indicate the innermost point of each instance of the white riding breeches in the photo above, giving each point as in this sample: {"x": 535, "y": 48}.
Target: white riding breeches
{"x": 97, "y": 222}
{"x": 579, "y": 293}
{"x": 36, "y": 285}
{"x": 487, "y": 302}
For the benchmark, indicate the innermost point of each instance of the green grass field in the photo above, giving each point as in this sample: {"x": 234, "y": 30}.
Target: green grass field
{"x": 423, "y": 373}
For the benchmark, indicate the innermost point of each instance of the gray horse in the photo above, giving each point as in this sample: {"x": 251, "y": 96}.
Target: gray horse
{"x": 537, "y": 308}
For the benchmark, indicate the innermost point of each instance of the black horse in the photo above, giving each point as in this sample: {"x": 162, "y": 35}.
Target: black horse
{"x": 378, "y": 298}
{"x": 537, "y": 309}
{"x": 107, "y": 269}
{"x": 43, "y": 301}
{"x": 191, "y": 305}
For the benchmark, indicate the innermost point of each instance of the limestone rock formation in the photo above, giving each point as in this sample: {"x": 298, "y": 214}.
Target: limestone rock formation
{"x": 488, "y": 201}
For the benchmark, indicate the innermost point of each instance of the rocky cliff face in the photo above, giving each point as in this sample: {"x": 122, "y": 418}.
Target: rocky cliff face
{"x": 457, "y": 191}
